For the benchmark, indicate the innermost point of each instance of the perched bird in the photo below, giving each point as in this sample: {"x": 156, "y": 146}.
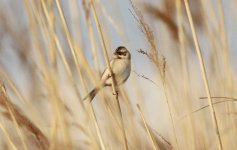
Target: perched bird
{"x": 121, "y": 69}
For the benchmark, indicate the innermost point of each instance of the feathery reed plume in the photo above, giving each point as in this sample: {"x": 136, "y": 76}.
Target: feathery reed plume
{"x": 14, "y": 113}
{"x": 157, "y": 59}
{"x": 146, "y": 78}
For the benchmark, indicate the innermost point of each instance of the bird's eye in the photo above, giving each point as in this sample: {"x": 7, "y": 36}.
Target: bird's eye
{"x": 122, "y": 53}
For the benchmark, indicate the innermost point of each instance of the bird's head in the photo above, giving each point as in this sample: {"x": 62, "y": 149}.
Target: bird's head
{"x": 122, "y": 53}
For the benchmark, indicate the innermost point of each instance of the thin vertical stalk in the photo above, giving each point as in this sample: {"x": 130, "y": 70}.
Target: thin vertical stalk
{"x": 60, "y": 51}
{"x": 76, "y": 57}
{"x": 170, "y": 113}
{"x": 49, "y": 77}
{"x": 109, "y": 68}
{"x": 92, "y": 39}
{"x": 74, "y": 53}
{"x": 147, "y": 129}
{"x": 227, "y": 63}
{"x": 224, "y": 35}
{"x": 62, "y": 55}
{"x": 36, "y": 42}
{"x": 182, "y": 45}
{"x": 181, "y": 37}
{"x": 97, "y": 127}
{"x": 70, "y": 41}
{"x": 91, "y": 110}
{"x": 204, "y": 75}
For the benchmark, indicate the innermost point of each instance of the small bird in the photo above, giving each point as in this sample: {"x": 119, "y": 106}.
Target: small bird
{"x": 121, "y": 69}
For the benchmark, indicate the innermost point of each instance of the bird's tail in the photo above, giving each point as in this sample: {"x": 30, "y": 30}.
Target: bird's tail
{"x": 92, "y": 94}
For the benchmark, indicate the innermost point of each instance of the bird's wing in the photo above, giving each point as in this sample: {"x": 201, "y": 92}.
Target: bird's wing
{"x": 106, "y": 74}
{"x": 90, "y": 96}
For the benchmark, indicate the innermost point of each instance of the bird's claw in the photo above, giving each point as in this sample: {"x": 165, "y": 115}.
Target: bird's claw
{"x": 116, "y": 93}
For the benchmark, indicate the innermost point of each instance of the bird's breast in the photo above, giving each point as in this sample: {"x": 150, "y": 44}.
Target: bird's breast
{"x": 121, "y": 69}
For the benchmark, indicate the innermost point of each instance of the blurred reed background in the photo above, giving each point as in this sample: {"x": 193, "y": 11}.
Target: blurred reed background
{"x": 180, "y": 95}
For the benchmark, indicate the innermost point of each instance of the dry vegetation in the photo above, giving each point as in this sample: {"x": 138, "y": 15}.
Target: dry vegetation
{"x": 53, "y": 52}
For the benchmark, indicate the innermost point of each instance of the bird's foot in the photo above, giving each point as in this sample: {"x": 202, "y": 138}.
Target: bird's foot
{"x": 115, "y": 93}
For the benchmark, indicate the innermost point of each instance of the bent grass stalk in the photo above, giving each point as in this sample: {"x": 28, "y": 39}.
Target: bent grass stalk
{"x": 204, "y": 75}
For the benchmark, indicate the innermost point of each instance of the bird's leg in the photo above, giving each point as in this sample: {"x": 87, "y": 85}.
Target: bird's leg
{"x": 115, "y": 86}
{"x": 116, "y": 93}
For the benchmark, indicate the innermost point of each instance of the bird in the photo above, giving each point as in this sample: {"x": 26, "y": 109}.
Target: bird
{"x": 121, "y": 68}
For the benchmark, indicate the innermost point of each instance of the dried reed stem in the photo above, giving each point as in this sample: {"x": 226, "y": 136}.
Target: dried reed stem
{"x": 74, "y": 54}
{"x": 227, "y": 61}
{"x": 103, "y": 45}
{"x": 204, "y": 75}
{"x": 61, "y": 53}
{"x": 74, "y": 51}
{"x": 224, "y": 38}
{"x": 92, "y": 39}
{"x": 51, "y": 83}
{"x": 109, "y": 67}
{"x": 8, "y": 137}
{"x": 49, "y": 77}
{"x": 170, "y": 113}
{"x": 97, "y": 127}
{"x": 147, "y": 129}
{"x": 181, "y": 38}
{"x": 70, "y": 41}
